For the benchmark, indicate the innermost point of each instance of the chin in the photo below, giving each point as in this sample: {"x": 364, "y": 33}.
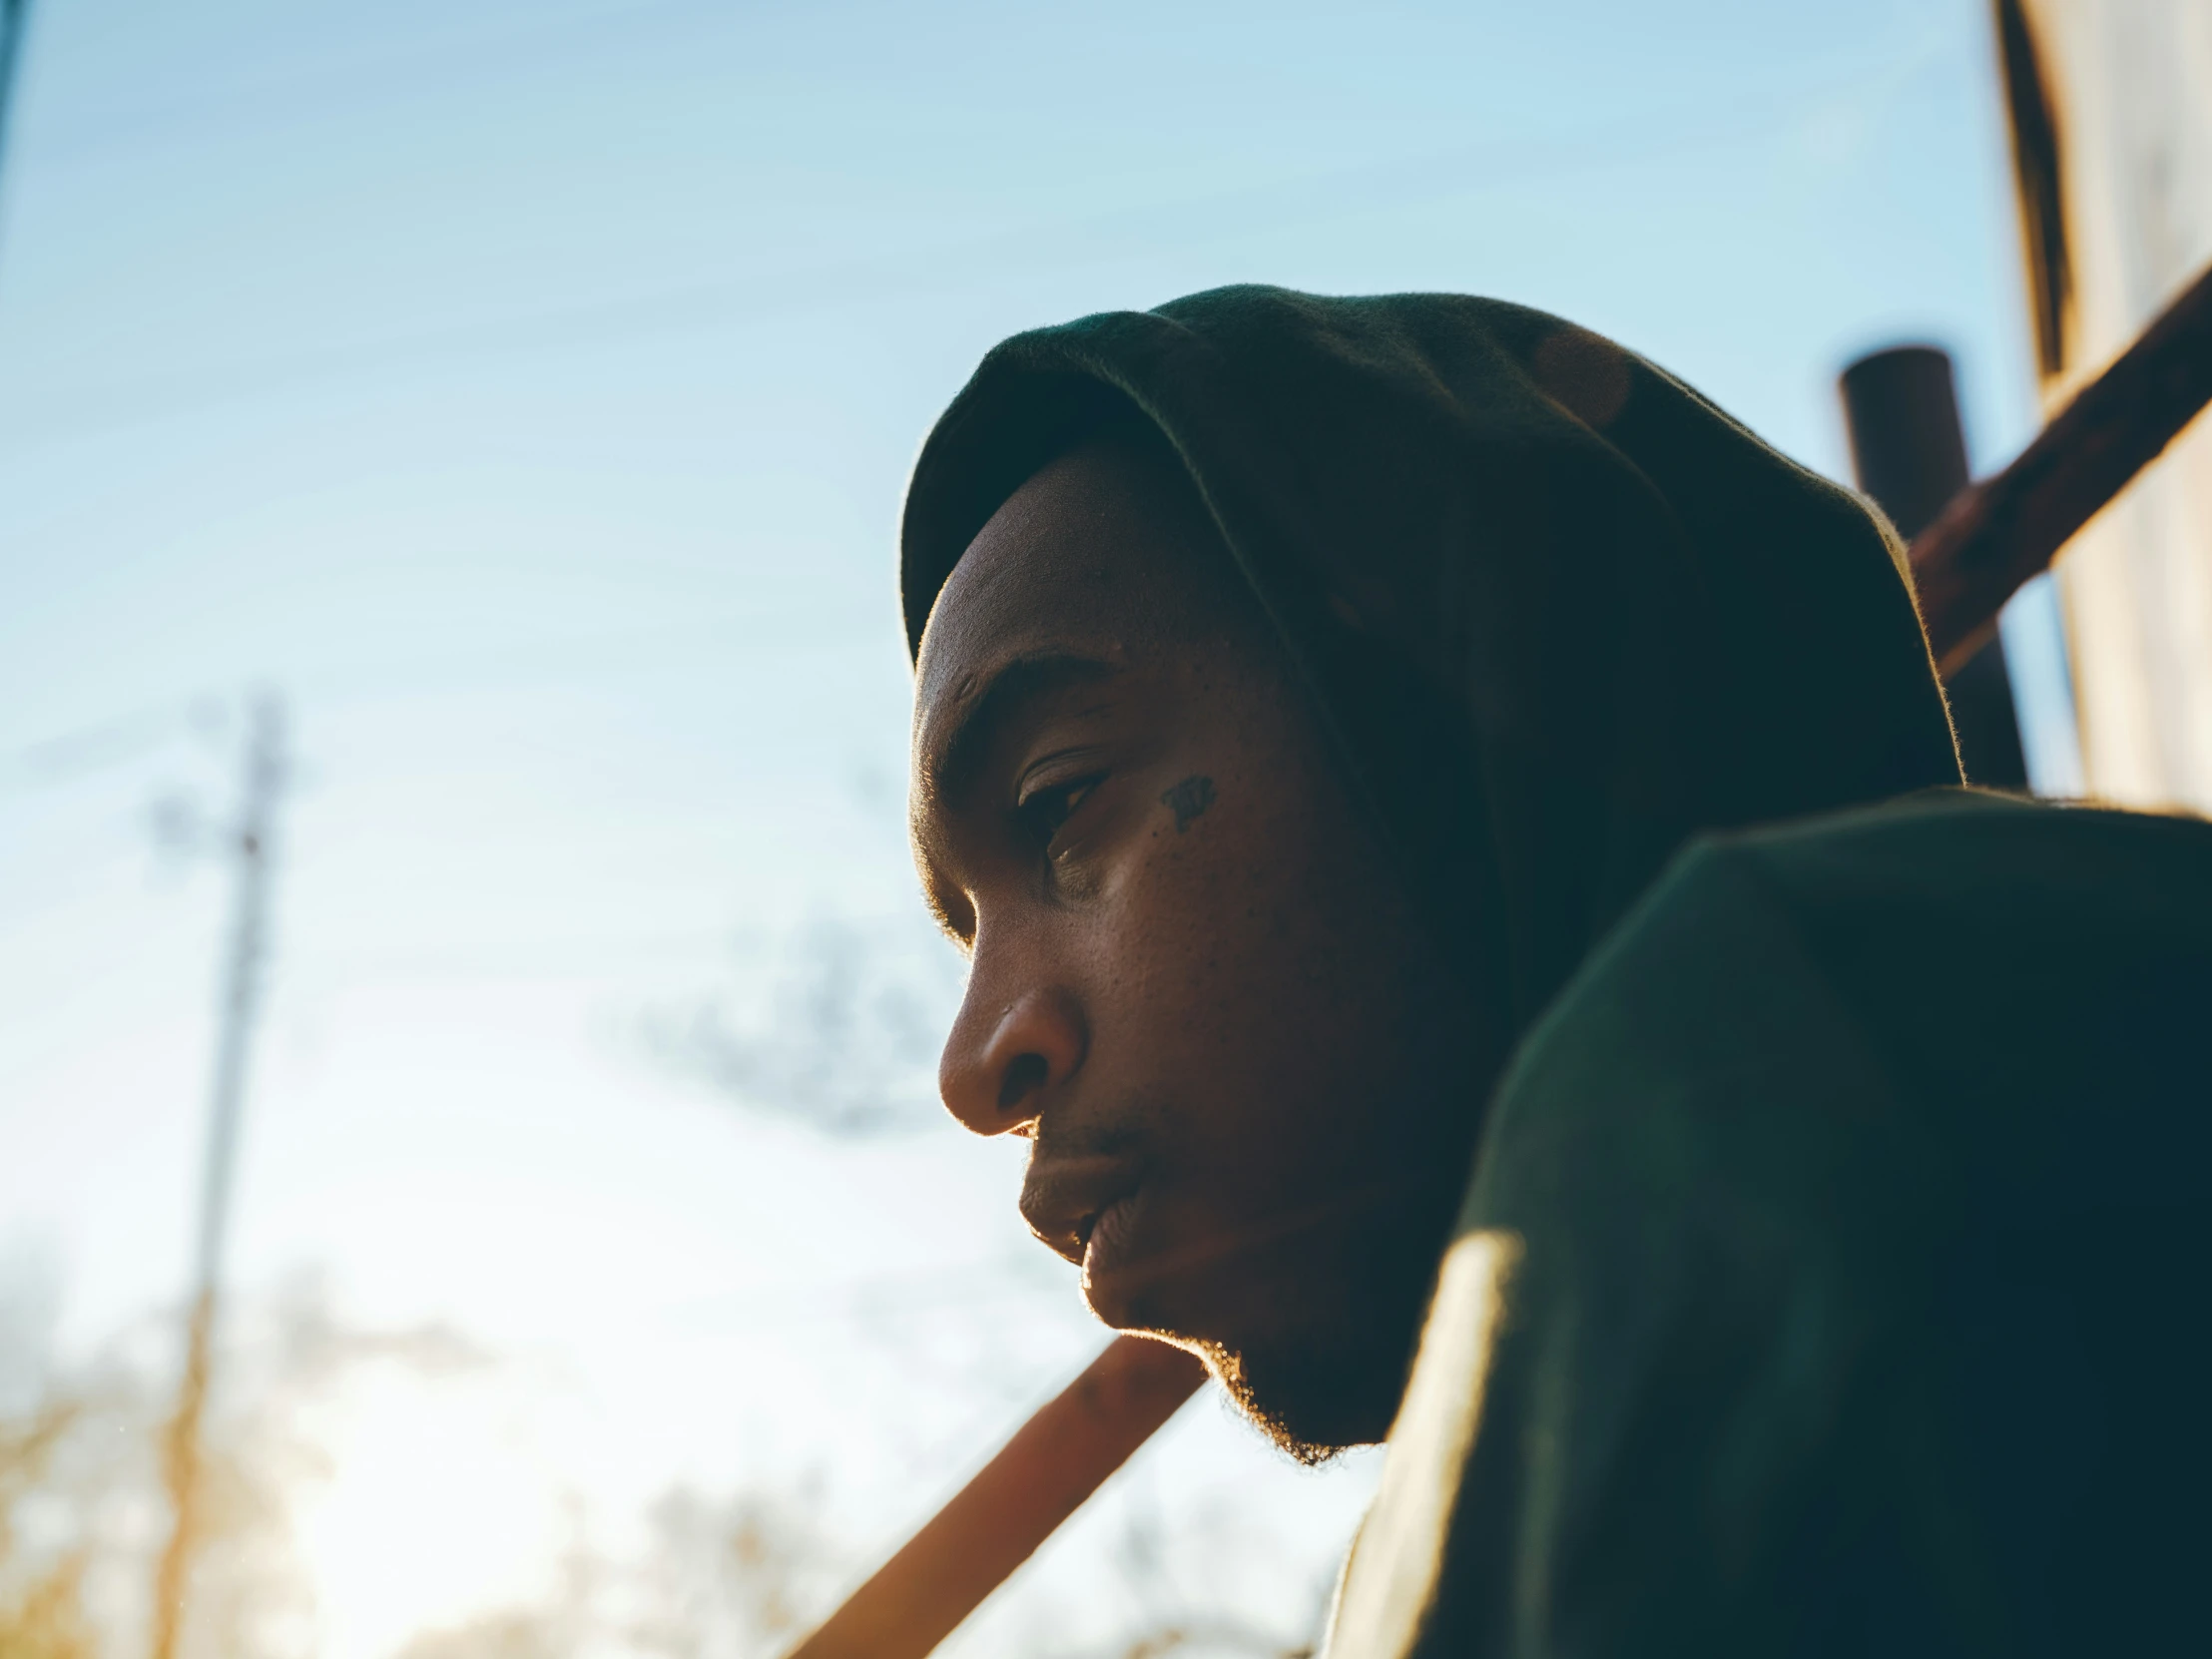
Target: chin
{"x": 1313, "y": 1388}
{"x": 1313, "y": 1394}
{"x": 1313, "y": 1345}
{"x": 1310, "y": 1408}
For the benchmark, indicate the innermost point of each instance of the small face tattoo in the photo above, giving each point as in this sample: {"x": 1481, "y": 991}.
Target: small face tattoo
{"x": 1188, "y": 800}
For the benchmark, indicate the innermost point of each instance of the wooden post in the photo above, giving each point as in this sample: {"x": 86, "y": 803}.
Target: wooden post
{"x": 1908, "y": 450}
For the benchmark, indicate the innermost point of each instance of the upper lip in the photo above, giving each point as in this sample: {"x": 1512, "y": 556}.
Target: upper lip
{"x": 1062, "y": 1198}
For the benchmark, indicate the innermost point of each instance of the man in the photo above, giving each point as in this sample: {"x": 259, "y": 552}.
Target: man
{"x": 1310, "y": 695}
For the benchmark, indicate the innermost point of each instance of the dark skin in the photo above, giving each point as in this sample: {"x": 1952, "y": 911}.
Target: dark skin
{"x": 1249, "y": 1079}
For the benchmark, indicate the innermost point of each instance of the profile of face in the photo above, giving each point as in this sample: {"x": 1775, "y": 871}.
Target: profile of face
{"x": 1248, "y": 1077}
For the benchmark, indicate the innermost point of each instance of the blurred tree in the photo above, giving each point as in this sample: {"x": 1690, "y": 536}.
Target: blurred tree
{"x": 533, "y": 1636}
{"x": 843, "y": 1035}
{"x": 41, "y": 1592}
{"x": 738, "y": 1575}
{"x": 81, "y": 1506}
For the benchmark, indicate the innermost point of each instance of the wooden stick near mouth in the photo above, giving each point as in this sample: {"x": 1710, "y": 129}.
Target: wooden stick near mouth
{"x": 996, "y": 1522}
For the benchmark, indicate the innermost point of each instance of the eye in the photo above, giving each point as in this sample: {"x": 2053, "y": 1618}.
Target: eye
{"x": 1044, "y": 809}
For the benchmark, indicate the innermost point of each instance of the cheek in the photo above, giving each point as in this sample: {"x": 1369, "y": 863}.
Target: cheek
{"x": 1263, "y": 991}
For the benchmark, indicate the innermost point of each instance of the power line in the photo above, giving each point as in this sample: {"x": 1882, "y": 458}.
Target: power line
{"x": 319, "y": 88}
{"x": 71, "y": 755}
{"x": 706, "y": 644}
{"x": 905, "y": 272}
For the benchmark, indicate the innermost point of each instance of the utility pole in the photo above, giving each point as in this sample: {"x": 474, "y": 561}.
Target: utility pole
{"x": 247, "y": 841}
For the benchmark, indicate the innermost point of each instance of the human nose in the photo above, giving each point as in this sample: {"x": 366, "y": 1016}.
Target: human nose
{"x": 1003, "y": 1055}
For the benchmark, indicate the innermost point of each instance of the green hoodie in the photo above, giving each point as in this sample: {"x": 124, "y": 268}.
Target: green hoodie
{"x": 1834, "y": 1272}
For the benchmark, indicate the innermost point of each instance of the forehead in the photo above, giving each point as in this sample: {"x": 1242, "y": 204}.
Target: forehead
{"x": 1107, "y": 553}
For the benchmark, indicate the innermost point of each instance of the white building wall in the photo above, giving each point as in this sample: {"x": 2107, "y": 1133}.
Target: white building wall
{"x": 2130, "y": 84}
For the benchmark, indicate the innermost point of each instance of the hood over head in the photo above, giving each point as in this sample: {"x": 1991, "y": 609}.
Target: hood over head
{"x": 1556, "y": 612}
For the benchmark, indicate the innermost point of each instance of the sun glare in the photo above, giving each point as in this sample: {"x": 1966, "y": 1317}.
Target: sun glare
{"x": 437, "y": 1509}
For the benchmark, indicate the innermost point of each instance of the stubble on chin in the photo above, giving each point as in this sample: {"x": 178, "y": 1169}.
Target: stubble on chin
{"x": 1311, "y": 1411}
{"x": 1326, "y": 1381}
{"x": 1264, "y": 1408}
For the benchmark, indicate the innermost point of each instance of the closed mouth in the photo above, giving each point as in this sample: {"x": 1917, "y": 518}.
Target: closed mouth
{"x": 1067, "y": 1201}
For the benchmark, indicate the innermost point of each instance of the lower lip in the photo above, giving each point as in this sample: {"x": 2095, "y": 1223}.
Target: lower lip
{"x": 1109, "y": 1240}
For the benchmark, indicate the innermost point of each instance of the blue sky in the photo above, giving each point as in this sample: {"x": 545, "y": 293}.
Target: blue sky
{"x": 527, "y": 392}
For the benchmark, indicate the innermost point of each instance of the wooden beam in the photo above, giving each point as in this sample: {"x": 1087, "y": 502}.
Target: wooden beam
{"x": 1996, "y": 534}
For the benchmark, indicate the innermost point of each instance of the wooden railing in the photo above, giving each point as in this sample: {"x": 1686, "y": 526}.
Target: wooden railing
{"x": 1996, "y": 534}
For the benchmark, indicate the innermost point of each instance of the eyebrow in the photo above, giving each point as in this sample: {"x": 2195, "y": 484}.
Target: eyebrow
{"x": 1017, "y": 687}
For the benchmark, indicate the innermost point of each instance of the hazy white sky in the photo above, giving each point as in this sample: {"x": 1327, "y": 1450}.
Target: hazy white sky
{"x": 527, "y": 390}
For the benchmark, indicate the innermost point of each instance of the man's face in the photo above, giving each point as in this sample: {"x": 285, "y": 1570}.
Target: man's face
{"x": 1249, "y": 1084}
